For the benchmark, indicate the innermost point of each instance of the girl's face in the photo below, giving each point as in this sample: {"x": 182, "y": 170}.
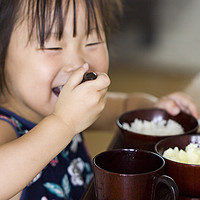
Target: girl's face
{"x": 34, "y": 74}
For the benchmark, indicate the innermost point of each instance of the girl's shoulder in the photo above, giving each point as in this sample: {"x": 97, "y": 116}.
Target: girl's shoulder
{"x": 19, "y": 125}
{"x": 8, "y": 119}
{"x": 7, "y": 130}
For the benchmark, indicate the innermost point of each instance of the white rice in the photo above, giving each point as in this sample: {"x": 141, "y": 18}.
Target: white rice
{"x": 158, "y": 128}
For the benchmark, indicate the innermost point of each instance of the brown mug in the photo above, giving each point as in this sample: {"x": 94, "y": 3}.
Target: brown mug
{"x": 130, "y": 174}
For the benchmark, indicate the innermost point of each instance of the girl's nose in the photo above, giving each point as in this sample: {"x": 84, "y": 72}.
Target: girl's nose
{"x": 74, "y": 56}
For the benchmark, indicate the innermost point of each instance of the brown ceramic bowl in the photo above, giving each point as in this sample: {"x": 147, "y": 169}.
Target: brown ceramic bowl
{"x": 187, "y": 176}
{"x": 147, "y": 142}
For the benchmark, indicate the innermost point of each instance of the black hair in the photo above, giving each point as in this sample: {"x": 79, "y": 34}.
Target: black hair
{"x": 44, "y": 15}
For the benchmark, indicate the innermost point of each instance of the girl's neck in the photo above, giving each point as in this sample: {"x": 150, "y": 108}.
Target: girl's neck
{"x": 17, "y": 109}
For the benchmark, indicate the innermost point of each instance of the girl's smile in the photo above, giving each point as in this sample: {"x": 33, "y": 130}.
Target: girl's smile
{"x": 57, "y": 90}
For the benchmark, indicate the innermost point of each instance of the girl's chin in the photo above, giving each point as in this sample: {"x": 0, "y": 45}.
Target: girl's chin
{"x": 48, "y": 111}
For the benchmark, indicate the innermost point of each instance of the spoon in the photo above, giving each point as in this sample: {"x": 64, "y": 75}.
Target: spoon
{"x": 89, "y": 76}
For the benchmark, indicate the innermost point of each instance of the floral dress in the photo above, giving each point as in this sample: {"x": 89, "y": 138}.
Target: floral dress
{"x": 65, "y": 177}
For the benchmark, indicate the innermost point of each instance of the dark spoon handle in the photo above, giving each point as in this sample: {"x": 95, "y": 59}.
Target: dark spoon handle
{"x": 89, "y": 76}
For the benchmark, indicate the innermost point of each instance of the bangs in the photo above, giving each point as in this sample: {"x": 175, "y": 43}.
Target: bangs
{"x": 44, "y": 16}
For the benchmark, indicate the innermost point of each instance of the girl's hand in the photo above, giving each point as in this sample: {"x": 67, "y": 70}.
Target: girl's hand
{"x": 176, "y": 102}
{"x": 79, "y": 105}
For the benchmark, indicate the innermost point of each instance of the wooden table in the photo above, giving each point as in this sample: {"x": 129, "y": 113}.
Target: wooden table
{"x": 116, "y": 143}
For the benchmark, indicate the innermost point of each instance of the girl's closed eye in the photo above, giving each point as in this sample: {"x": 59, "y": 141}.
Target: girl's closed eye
{"x": 52, "y": 45}
{"x": 93, "y": 39}
{"x": 51, "y": 48}
{"x": 93, "y": 43}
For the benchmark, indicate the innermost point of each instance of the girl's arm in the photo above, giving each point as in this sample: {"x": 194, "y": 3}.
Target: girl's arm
{"x": 4, "y": 138}
{"x": 77, "y": 107}
{"x": 23, "y": 158}
{"x": 118, "y": 103}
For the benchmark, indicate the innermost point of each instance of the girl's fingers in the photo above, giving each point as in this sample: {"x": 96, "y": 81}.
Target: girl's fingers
{"x": 105, "y": 80}
{"x": 101, "y": 82}
{"x": 77, "y": 76}
{"x": 169, "y": 105}
{"x": 176, "y": 102}
{"x": 185, "y": 103}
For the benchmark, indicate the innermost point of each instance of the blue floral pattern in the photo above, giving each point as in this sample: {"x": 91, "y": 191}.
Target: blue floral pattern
{"x": 65, "y": 177}
{"x": 62, "y": 191}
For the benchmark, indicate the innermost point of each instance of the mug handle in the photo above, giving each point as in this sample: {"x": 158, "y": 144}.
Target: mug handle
{"x": 165, "y": 188}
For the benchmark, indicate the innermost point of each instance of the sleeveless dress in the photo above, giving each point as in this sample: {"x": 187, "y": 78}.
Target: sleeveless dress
{"x": 65, "y": 177}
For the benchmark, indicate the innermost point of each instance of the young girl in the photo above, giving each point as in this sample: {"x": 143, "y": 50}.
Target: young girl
{"x": 46, "y": 47}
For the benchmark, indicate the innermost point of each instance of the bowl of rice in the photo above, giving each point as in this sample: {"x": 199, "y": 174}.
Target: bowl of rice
{"x": 143, "y": 128}
{"x": 182, "y": 163}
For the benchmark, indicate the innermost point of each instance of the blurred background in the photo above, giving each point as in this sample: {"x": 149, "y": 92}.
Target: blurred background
{"x": 156, "y": 50}
{"x": 159, "y": 34}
